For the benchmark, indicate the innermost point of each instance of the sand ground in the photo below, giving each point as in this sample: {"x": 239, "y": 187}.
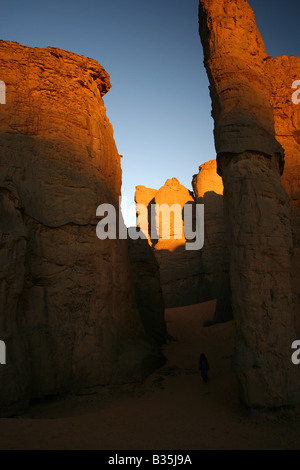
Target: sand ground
{"x": 171, "y": 410}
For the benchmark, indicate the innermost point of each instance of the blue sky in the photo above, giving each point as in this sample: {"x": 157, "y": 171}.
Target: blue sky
{"x": 159, "y": 102}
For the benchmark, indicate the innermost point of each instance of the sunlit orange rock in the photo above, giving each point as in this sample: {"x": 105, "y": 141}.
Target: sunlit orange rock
{"x": 207, "y": 180}
{"x": 175, "y": 263}
{"x": 189, "y": 277}
{"x": 144, "y": 196}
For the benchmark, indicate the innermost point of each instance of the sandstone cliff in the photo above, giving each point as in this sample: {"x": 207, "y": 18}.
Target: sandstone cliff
{"x": 257, "y": 216}
{"x": 67, "y": 308}
{"x": 214, "y": 257}
{"x": 190, "y": 277}
{"x": 179, "y": 268}
{"x": 282, "y": 72}
{"x": 148, "y": 290}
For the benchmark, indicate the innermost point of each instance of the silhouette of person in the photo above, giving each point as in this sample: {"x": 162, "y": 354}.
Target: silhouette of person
{"x": 204, "y": 367}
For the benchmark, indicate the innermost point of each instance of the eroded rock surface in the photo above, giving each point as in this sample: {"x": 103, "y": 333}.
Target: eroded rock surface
{"x": 214, "y": 256}
{"x": 148, "y": 290}
{"x": 257, "y": 213}
{"x": 190, "y": 277}
{"x": 67, "y": 307}
{"x": 179, "y": 268}
{"x": 282, "y": 72}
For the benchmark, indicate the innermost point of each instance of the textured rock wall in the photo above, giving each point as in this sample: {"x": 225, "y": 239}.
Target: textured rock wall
{"x": 179, "y": 268}
{"x": 190, "y": 277}
{"x": 214, "y": 257}
{"x": 67, "y": 307}
{"x": 148, "y": 290}
{"x": 282, "y": 72}
{"x": 250, "y": 161}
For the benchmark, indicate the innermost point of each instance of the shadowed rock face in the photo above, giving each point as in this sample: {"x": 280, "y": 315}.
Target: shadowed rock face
{"x": 282, "y": 72}
{"x": 257, "y": 215}
{"x": 67, "y": 308}
{"x": 214, "y": 261}
{"x": 148, "y": 291}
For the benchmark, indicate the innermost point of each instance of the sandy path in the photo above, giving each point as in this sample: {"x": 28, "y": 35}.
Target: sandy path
{"x": 172, "y": 410}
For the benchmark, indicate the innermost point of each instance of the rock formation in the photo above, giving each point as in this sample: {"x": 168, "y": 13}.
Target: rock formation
{"x": 214, "y": 260}
{"x": 190, "y": 277}
{"x": 251, "y": 161}
{"x": 282, "y": 72}
{"x": 179, "y": 268}
{"x": 145, "y": 196}
{"x": 148, "y": 291}
{"x": 67, "y": 310}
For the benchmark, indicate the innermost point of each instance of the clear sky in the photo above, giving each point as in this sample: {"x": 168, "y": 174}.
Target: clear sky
{"x": 159, "y": 102}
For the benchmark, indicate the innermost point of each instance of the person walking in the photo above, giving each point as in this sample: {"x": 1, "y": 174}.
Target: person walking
{"x": 204, "y": 367}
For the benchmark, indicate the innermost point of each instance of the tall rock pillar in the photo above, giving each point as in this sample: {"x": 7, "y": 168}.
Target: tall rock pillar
{"x": 251, "y": 161}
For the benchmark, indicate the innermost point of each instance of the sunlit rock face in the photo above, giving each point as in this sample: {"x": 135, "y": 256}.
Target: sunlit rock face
{"x": 189, "y": 277}
{"x": 67, "y": 307}
{"x": 257, "y": 214}
{"x": 179, "y": 268}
